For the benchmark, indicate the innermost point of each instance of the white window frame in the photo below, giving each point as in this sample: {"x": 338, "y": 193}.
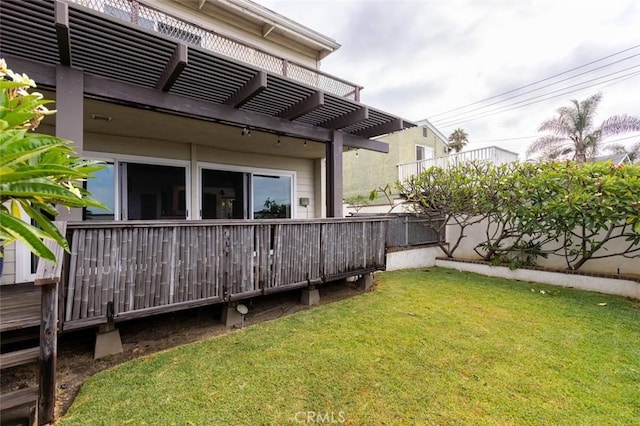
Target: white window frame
{"x": 120, "y": 178}
{"x": 427, "y": 149}
{"x": 23, "y": 257}
{"x": 201, "y": 165}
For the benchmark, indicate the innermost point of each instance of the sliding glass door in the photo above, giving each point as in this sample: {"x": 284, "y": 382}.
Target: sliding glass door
{"x": 245, "y": 194}
{"x": 223, "y": 194}
{"x": 153, "y": 192}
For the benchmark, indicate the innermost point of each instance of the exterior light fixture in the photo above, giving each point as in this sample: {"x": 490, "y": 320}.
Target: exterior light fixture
{"x": 101, "y": 117}
{"x": 278, "y": 143}
{"x": 245, "y": 131}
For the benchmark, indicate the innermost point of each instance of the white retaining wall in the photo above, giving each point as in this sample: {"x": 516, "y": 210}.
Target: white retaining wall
{"x": 422, "y": 257}
{"x": 475, "y": 234}
{"x": 618, "y": 287}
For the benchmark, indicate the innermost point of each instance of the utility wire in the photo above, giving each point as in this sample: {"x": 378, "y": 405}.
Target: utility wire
{"x": 500, "y": 110}
{"x": 462, "y": 114}
{"x": 535, "y": 82}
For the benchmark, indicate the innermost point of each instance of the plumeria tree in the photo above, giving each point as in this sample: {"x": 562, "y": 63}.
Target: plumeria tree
{"x": 572, "y": 132}
{"x": 37, "y": 172}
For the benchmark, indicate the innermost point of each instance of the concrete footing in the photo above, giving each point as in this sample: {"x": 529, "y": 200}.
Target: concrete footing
{"x": 365, "y": 282}
{"x": 108, "y": 341}
{"x": 230, "y": 316}
{"x": 310, "y": 296}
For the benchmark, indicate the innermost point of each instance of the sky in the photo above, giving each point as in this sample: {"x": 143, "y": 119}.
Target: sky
{"x": 422, "y": 58}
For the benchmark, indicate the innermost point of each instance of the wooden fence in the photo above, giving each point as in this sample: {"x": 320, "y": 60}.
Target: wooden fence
{"x": 124, "y": 270}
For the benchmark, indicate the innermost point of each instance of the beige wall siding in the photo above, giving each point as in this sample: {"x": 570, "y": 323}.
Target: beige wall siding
{"x": 134, "y": 146}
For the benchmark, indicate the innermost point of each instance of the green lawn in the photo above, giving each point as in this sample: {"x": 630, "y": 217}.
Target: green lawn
{"x": 425, "y": 347}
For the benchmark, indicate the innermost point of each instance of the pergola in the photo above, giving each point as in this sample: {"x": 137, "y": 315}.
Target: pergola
{"x": 84, "y": 53}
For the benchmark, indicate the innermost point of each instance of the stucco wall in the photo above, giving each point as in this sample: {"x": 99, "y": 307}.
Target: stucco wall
{"x": 476, "y": 234}
{"x": 367, "y": 170}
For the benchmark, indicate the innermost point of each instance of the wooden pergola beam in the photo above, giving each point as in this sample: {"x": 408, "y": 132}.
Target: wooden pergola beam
{"x": 61, "y": 12}
{"x": 381, "y": 129}
{"x": 247, "y": 92}
{"x": 127, "y": 93}
{"x": 304, "y": 107}
{"x": 173, "y": 68}
{"x": 348, "y": 119}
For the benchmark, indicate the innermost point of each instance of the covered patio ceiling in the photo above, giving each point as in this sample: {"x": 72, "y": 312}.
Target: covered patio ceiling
{"x": 132, "y": 65}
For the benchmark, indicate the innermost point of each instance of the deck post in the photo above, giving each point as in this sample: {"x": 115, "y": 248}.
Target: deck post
{"x": 310, "y": 296}
{"x": 334, "y": 175}
{"x": 230, "y": 315}
{"x": 108, "y": 341}
{"x": 365, "y": 282}
{"x": 48, "y": 353}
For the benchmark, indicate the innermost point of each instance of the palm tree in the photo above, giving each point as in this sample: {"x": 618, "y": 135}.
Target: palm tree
{"x": 572, "y": 130}
{"x": 458, "y": 139}
{"x": 633, "y": 151}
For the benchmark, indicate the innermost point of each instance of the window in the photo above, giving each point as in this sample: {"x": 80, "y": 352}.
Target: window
{"x": 424, "y": 152}
{"x": 102, "y": 187}
{"x": 271, "y": 197}
{"x": 243, "y": 193}
{"x": 425, "y": 132}
{"x": 154, "y": 192}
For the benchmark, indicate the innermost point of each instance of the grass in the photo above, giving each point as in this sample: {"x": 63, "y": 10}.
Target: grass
{"x": 426, "y": 347}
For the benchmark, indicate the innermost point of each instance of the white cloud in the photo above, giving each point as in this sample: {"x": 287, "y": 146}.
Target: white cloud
{"x": 422, "y": 57}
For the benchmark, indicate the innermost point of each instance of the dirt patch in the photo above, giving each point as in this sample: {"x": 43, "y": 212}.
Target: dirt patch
{"x": 150, "y": 335}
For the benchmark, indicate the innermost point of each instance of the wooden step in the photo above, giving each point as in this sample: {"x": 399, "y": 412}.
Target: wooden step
{"x": 26, "y": 396}
{"x": 23, "y": 356}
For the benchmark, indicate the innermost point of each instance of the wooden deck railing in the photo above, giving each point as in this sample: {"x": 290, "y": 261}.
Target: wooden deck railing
{"x": 123, "y": 270}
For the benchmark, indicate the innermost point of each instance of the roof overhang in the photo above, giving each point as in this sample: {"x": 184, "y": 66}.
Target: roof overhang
{"x": 272, "y": 20}
{"x": 129, "y": 64}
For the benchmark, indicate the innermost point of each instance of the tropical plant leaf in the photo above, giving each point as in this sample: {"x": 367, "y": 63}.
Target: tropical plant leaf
{"x": 26, "y": 234}
{"x": 45, "y": 224}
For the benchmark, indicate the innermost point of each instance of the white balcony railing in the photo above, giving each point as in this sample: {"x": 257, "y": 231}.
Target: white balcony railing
{"x": 491, "y": 154}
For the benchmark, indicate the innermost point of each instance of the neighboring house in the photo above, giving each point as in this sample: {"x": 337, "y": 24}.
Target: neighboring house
{"x": 209, "y": 109}
{"x": 616, "y": 159}
{"x": 365, "y": 171}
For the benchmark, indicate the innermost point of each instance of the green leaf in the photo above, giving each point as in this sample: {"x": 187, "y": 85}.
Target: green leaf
{"x": 45, "y": 224}
{"x": 26, "y": 234}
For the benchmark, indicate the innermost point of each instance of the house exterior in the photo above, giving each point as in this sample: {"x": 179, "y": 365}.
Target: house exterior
{"x": 209, "y": 109}
{"x": 365, "y": 171}
{"x": 616, "y": 159}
